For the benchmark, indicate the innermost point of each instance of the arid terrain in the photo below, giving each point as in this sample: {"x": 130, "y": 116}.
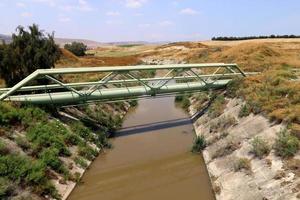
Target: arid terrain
{"x": 273, "y": 97}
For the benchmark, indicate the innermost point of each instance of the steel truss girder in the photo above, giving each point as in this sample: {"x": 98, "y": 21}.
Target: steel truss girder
{"x": 99, "y": 90}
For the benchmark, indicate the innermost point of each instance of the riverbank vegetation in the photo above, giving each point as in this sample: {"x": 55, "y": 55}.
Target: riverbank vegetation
{"x": 34, "y": 146}
{"x": 199, "y": 144}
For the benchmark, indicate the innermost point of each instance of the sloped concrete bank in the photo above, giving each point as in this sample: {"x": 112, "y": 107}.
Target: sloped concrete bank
{"x": 65, "y": 188}
{"x": 229, "y": 140}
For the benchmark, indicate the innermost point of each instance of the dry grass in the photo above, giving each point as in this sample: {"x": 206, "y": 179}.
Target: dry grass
{"x": 70, "y": 60}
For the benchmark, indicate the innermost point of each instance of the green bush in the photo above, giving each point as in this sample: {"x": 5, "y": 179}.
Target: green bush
{"x": 179, "y": 98}
{"x": 260, "y": 148}
{"x": 6, "y": 188}
{"x": 50, "y": 158}
{"x": 133, "y": 103}
{"x": 8, "y": 114}
{"x": 72, "y": 139}
{"x": 32, "y": 115}
{"x": 27, "y": 116}
{"x": 183, "y": 100}
{"x": 81, "y": 162}
{"x": 23, "y": 143}
{"x": 77, "y": 48}
{"x": 87, "y": 152}
{"x": 245, "y": 111}
{"x": 3, "y": 148}
{"x": 102, "y": 140}
{"x": 286, "y": 145}
{"x": 25, "y": 171}
{"x": 79, "y": 129}
{"x": 199, "y": 144}
{"x": 49, "y": 135}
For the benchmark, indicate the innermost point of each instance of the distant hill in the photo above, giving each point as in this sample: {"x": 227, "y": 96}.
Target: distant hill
{"x": 89, "y": 43}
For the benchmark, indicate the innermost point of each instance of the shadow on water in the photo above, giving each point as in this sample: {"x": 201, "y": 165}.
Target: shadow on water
{"x": 161, "y": 125}
{"x": 152, "y": 127}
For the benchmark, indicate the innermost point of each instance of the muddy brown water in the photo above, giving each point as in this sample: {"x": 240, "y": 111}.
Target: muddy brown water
{"x": 150, "y": 159}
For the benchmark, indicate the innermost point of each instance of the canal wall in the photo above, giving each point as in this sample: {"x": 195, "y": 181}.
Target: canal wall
{"x": 229, "y": 140}
{"x": 65, "y": 188}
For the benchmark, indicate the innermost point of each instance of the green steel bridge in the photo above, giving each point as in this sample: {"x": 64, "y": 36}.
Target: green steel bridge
{"x": 49, "y": 86}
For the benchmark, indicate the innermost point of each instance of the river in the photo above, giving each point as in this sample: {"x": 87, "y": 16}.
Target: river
{"x": 150, "y": 159}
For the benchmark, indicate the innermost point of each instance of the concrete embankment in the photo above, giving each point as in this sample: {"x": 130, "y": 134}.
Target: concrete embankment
{"x": 66, "y": 187}
{"x": 229, "y": 140}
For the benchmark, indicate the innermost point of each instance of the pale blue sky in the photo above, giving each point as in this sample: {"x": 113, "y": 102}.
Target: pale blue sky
{"x": 152, "y": 20}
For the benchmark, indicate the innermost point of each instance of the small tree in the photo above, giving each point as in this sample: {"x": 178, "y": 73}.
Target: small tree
{"x": 28, "y": 51}
{"x": 286, "y": 144}
{"x": 76, "y": 48}
{"x": 260, "y": 147}
{"x": 199, "y": 144}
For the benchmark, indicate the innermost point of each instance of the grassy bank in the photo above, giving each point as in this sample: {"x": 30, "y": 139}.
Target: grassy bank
{"x": 40, "y": 150}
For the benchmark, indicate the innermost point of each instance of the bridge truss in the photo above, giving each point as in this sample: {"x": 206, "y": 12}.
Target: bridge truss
{"x": 54, "y": 86}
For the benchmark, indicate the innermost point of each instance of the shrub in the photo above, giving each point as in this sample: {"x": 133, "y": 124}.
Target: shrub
{"x": 217, "y": 107}
{"x": 50, "y": 158}
{"x": 102, "y": 141}
{"x": 233, "y": 87}
{"x": 22, "y": 170}
{"x": 87, "y": 152}
{"x": 260, "y": 148}
{"x": 183, "y": 100}
{"x": 179, "y": 98}
{"x": 77, "y": 48}
{"x": 31, "y": 115}
{"x": 23, "y": 143}
{"x": 81, "y": 162}
{"x": 76, "y": 177}
{"x": 226, "y": 150}
{"x": 199, "y": 144}
{"x": 48, "y": 135}
{"x": 222, "y": 123}
{"x": 79, "y": 129}
{"x": 3, "y": 148}
{"x": 245, "y": 111}
{"x": 286, "y": 145}
{"x": 133, "y": 103}
{"x": 242, "y": 163}
{"x": 6, "y": 188}
{"x": 27, "y": 116}
{"x": 72, "y": 139}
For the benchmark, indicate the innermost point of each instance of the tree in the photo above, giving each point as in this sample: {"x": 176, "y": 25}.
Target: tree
{"x": 76, "y": 48}
{"x": 29, "y": 50}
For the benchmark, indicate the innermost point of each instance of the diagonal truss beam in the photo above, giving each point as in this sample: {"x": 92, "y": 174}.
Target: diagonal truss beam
{"x": 108, "y": 88}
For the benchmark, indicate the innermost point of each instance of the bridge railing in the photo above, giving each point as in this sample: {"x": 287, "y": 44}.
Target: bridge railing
{"x": 120, "y": 82}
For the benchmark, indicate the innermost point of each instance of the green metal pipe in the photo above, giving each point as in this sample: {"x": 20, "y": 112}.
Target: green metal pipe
{"x": 84, "y": 84}
{"x": 114, "y": 93}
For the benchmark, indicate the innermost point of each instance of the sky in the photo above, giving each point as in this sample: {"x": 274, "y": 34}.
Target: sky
{"x": 152, "y": 20}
